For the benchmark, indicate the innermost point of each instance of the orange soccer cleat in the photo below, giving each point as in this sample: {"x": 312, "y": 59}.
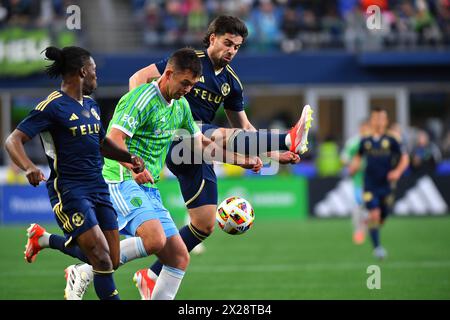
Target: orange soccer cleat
{"x": 299, "y": 133}
{"x": 34, "y": 232}
{"x": 144, "y": 283}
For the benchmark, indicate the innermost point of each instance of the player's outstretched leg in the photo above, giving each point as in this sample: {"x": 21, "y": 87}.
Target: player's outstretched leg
{"x": 298, "y": 135}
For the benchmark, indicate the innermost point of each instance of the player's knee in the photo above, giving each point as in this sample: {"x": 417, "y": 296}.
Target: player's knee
{"x": 182, "y": 259}
{"x": 154, "y": 243}
{"x": 206, "y": 227}
{"x": 101, "y": 261}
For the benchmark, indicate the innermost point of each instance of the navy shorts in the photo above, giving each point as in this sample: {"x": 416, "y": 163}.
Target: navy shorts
{"x": 198, "y": 182}
{"x": 382, "y": 198}
{"x": 76, "y": 212}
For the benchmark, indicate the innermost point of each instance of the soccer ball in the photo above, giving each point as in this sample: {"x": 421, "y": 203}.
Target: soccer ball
{"x": 235, "y": 215}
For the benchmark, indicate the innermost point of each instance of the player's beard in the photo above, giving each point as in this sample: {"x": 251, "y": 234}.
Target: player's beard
{"x": 88, "y": 89}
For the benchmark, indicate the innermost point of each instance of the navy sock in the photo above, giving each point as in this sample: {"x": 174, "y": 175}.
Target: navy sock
{"x": 254, "y": 143}
{"x": 105, "y": 286}
{"x": 57, "y": 242}
{"x": 375, "y": 236}
{"x": 191, "y": 237}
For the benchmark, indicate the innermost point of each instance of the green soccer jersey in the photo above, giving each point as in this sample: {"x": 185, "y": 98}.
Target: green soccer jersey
{"x": 150, "y": 123}
{"x": 350, "y": 150}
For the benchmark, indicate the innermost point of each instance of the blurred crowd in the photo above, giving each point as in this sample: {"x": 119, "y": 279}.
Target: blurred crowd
{"x": 289, "y": 25}
{"x": 294, "y": 25}
{"x": 33, "y": 13}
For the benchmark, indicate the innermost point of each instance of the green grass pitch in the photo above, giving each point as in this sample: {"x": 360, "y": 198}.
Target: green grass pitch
{"x": 276, "y": 259}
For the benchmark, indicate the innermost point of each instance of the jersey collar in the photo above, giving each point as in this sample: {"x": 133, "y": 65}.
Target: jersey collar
{"x": 167, "y": 104}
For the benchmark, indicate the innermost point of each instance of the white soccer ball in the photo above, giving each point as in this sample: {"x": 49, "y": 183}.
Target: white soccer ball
{"x": 235, "y": 215}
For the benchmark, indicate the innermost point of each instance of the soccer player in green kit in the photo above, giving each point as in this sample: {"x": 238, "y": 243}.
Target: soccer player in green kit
{"x": 145, "y": 121}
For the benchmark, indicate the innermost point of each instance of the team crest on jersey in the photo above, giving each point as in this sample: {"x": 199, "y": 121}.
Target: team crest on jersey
{"x": 78, "y": 219}
{"x": 225, "y": 89}
{"x": 86, "y": 113}
{"x": 95, "y": 114}
{"x": 136, "y": 202}
{"x": 368, "y": 145}
{"x": 385, "y": 144}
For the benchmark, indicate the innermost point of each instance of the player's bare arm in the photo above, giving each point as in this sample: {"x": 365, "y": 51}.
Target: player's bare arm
{"x": 118, "y": 138}
{"x": 355, "y": 165}
{"x": 143, "y": 75}
{"x": 14, "y": 146}
{"x": 112, "y": 151}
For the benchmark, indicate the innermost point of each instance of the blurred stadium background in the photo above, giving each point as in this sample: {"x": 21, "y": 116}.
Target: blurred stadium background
{"x": 299, "y": 52}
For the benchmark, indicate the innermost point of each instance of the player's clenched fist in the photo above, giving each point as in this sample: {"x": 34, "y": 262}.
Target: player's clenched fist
{"x": 138, "y": 164}
{"x": 34, "y": 176}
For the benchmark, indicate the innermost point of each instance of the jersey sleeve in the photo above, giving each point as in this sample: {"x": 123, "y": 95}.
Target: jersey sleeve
{"x": 38, "y": 120}
{"x": 131, "y": 113}
{"x": 361, "y": 147}
{"x": 161, "y": 65}
{"x": 397, "y": 147}
{"x": 189, "y": 124}
{"x": 235, "y": 100}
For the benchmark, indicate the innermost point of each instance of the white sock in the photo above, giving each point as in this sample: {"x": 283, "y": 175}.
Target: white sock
{"x": 168, "y": 283}
{"x": 131, "y": 248}
{"x": 152, "y": 275}
{"x": 44, "y": 240}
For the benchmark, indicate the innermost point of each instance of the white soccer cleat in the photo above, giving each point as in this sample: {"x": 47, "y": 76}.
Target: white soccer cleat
{"x": 380, "y": 253}
{"x": 299, "y": 133}
{"x": 77, "y": 282}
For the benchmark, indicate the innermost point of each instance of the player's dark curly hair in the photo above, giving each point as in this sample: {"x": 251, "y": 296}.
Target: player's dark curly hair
{"x": 226, "y": 24}
{"x": 66, "y": 60}
{"x": 186, "y": 59}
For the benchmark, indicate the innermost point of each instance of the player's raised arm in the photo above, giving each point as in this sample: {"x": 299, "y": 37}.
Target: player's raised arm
{"x": 113, "y": 151}
{"x": 143, "y": 75}
{"x": 14, "y": 146}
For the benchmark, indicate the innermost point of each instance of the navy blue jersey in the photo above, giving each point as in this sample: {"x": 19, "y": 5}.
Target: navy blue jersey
{"x": 212, "y": 90}
{"x": 382, "y": 156}
{"x": 71, "y": 135}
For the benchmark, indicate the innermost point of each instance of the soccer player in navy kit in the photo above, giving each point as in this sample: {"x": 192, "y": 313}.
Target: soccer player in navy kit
{"x": 68, "y": 122}
{"x": 218, "y": 85}
{"x": 386, "y": 160}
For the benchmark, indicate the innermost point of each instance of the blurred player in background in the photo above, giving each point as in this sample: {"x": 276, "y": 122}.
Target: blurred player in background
{"x": 145, "y": 122}
{"x": 218, "y": 85}
{"x": 386, "y": 160}
{"x": 68, "y": 121}
{"x": 358, "y": 213}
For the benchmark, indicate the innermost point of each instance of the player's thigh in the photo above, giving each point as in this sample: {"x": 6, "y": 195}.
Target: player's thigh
{"x": 75, "y": 216}
{"x": 132, "y": 206}
{"x": 152, "y": 234}
{"x": 94, "y": 245}
{"x": 174, "y": 254}
{"x": 107, "y": 220}
{"x": 113, "y": 240}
